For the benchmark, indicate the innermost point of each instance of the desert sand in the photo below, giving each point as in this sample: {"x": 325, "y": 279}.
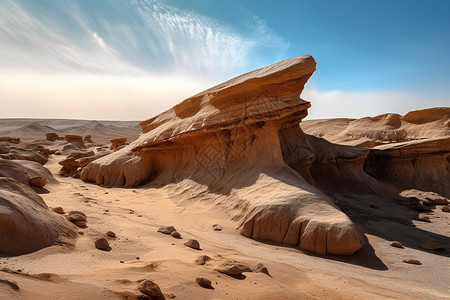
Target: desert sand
{"x": 279, "y": 210}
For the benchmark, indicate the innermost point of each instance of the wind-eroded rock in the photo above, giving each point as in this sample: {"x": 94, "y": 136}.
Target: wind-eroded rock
{"x": 26, "y": 223}
{"x": 231, "y": 138}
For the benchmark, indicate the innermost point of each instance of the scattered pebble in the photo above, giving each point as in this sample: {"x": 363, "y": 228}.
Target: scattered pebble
{"x": 175, "y": 234}
{"x": 260, "y": 268}
{"x": 396, "y": 244}
{"x": 446, "y": 209}
{"x": 412, "y": 261}
{"x": 58, "y": 210}
{"x": 420, "y": 217}
{"x": 101, "y": 244}
{"x": 149, "y": 288}
{"x": 430, "y": 246}
{"x": 38, "y": 181}
{"x": 78, "y": 218}
{"x": 167, "y": 229}
{"x": 202, "y": 259}
{"x": 217, "y": 227}
{"x": 111, "y": 234}
{"x": 194, "y": 244}
{"x": 204, "y": 282}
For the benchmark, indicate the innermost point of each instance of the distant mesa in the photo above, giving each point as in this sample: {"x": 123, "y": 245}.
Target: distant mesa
{"x": 117, "y": 143}
{"x": 242, "y": 143}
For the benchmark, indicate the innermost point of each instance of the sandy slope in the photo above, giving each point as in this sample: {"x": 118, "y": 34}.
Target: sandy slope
{"x": 135, "y": 214}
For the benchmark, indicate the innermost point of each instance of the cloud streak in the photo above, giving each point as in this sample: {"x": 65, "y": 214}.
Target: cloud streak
{"x": 125, "y": 38}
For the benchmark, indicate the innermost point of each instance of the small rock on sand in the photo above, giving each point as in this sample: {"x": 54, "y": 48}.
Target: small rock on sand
{"x": 232, "y": 268}
{"x": 58, "y": 210}
{"x": 396, "y": 244}
{"x": 167, "y": 229}
{"x": 204, "y": 282}
{"x": 421, "y": 217}
{"x": 446, "y": 209}
{"x": 217, "y": 227}
{"x": 202, "y": 259}
{"x": 111, "y": 234}
{"x": 260, "y": 268}
{"x": 430, "y": 246}
{"x": 175, "y": 234}
{"x": 412, "y": 261}
{"x": 101, "y": 244}
{"x": 194, "y": 244}
{"x": 38, "y": 181}
{"x": 149, "y": 288}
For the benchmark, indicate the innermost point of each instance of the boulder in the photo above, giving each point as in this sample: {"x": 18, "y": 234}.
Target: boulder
{"x": 232, "y": 268}
{"x": 260, "y": 268}
{"x": 194, "y": 244}
{"x": 149, "y": 288}
{"x": 202, "y": 259}
{"x": 396, "y": 244}
{"x": 111, "y": 234}
{"x": 175, "y": 234}
{"x": 101, "y": 244}
{"x": 38, "y": 181}
{"x": 430, "y": 246}
{"x": 166, "y": 229}
{"x": 241, "y": 140}
{"x": 26, "y": 223}
{"x": 204, "y": 282}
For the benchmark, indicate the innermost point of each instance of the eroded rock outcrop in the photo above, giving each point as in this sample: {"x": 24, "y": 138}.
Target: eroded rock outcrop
{"x": 26, "y": 223}
{"x": 75, "y": 139}
{"x": 117, "y": 143}
{"x": 25, "y": 171}
{"x": 230, "y": 139}
{"x": 77, "y": 160}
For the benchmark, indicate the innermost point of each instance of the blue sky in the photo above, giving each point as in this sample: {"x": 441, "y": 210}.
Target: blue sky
{"x": 132, "y": 59}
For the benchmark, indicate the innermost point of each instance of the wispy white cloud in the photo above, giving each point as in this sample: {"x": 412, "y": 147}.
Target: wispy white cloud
{"x": 129, "y": 37}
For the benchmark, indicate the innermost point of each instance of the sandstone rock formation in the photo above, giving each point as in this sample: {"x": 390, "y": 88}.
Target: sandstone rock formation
{"x": 88, "y": 139}
{"x": 52, "y": 136}
{"x": 232, "y": 138}
{"x": 116, "y": 143}
{"x": 26, "y": 223}
{"x": 75, "y": 139}
{"x": 77, "y": 160}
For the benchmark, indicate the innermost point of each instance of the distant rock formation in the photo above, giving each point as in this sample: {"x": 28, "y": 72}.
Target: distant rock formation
{"x": 88, "y": 139}
{"x": 26, "y": 223}
{"x": 117, "y": 143}
{"x": 383, "y": 129}
{"x": 77, "y": 160}
{"x": 10, "y": 140}
{"x": 75, "y": 139}
{"x": 51, "y": 136}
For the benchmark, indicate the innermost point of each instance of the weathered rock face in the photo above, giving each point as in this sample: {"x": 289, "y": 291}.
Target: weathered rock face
{"x": 77, "y": 160}
{"x": 227, "y": 138}
{"x": 26, "y": 224}
{"x": 88, "y": 139}
{"x": 52, "y": 136}
{"x": 10, "y": 140}
{"x": 25, "y": 154}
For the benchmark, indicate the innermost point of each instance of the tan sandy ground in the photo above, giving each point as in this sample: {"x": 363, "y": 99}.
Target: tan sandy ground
{"x": 85, "y": 272}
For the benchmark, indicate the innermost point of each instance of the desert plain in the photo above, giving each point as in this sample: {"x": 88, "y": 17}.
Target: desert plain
{"x": 228, "y": 195}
